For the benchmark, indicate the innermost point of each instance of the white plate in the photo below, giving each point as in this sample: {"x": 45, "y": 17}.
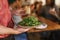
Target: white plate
{"x": 42, "y": 26}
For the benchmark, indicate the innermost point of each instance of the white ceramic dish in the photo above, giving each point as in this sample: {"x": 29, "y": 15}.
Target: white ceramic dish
{"x": 41, "y": 26}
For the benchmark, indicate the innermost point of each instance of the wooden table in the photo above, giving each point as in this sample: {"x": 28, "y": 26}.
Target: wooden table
{"x": 51, "y": 25}
{"x": 33, "y": 34}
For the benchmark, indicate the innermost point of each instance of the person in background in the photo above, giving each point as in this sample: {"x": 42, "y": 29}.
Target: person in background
{"x": 5, "y": 18}
{"x": 38, "y": 6}
{"x": 35, "y": 8}
{"x": 50, "y": 11}
{"x": 17, "y": 13}
{"x": 32, "y": 6}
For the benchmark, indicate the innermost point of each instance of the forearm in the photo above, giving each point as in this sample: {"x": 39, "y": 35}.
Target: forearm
{"x": 5, "y": 30}
{"x": 57, "y": 16}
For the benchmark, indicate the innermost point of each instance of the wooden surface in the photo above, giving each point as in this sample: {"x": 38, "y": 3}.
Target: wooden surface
{"x": 51, "y": 25}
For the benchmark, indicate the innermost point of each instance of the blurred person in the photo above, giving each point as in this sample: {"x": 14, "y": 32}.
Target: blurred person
{"x": 12, "y": 4}
{"x": 17, "y": 14}
{"x": 51, "y": 12}
{"x": 35, "y": 8}
{"x": 38, "y": 6}
{"x": 32, "y": 6}
{"x": 5, "y": 18}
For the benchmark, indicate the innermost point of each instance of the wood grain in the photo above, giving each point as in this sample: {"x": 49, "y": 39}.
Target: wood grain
{"x": 51, "y": 25}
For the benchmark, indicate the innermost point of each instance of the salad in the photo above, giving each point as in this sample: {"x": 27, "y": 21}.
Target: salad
{"x": 29, "y": 21}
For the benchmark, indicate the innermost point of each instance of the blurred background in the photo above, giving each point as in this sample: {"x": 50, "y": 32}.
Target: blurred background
{"x": 57, "y": 2}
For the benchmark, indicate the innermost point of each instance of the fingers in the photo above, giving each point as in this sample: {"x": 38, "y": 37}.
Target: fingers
{"x": 15, "y": 32}
{"x": 22, "y": 30}
{"x": 5, "y": 30}
{"x": 18, "y": 31}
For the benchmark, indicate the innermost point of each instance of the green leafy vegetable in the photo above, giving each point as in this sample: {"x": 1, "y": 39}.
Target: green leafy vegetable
{"x": 29, "y": 21}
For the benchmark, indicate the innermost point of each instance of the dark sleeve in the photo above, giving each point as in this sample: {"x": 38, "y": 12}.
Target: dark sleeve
{"x": 58, "y": 14}
{"x": 41, "y": 13}
{"x": 10, "y": 24}
{"x": 57, "y": 9}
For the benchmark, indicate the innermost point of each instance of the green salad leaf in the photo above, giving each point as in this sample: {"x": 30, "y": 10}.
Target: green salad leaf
{"x": 29, "y": 21}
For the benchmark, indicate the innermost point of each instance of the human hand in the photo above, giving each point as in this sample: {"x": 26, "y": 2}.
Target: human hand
{"x": 5, "y": 30}
{"x": 52, "y": 11}
{"x": 22, "y": 30}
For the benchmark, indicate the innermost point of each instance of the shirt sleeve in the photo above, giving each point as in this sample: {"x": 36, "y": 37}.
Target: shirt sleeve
{"x": 41, "y": 13}
{"x": 5, "y": 15}
{"x": 57, "y": 13}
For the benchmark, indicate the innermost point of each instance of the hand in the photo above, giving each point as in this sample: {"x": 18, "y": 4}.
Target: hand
{"x": 5, "y": 30}
{"x": 52, "y": 12}
{"x": 22, "y": 30}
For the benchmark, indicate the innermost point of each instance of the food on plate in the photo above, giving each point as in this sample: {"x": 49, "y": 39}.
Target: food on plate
{"x": 29, "y": 21}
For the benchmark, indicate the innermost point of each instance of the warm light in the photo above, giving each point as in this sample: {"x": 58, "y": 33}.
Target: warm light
{"x": 57, "y": 2}
{"x": 32, "y": 1}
